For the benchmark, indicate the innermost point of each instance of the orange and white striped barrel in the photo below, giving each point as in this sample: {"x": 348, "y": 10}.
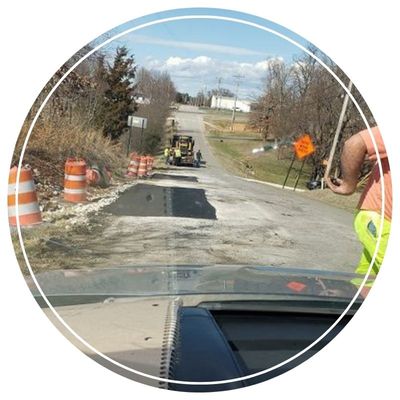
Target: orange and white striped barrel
{"x": 151, "y": 162}
{"x": 149, "y": 165}
{"x": 28, "y": 206}
{"x": 142, "y": 170}
{"x": 133, "y": 165}
{"x": 75, "y": 181}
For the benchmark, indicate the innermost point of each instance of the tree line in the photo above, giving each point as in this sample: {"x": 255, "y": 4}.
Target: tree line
{"x": 101, "y": 92}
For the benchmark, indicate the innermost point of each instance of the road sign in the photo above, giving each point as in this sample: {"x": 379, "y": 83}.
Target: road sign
{"x": 137, "y": 122}
{"x": 303, "y": 147}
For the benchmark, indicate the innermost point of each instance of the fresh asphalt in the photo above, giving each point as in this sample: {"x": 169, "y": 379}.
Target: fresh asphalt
{"x": 157, "y": 201}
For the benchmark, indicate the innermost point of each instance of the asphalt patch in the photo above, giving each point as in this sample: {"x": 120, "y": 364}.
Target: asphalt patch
{"x": 156, "y": 201}
{"x": 175, "y": 177}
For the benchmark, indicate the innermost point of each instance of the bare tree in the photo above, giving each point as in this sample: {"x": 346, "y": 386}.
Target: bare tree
{"x": 157, "y": 92}
{"x": 304, "y": 97}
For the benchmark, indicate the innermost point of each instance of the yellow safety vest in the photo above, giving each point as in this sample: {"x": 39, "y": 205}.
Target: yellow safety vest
{"x": 178, "y": 153}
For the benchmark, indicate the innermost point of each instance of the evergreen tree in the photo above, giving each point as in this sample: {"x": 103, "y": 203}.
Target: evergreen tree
{"x": 99, "y": 77}
{"x": 118, "y": 97}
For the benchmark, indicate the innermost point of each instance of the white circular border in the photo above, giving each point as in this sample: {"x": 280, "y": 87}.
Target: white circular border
{"x": 159, "y": 21}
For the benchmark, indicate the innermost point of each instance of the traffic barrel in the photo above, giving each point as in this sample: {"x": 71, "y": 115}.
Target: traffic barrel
{"x": 133, "y": 166}
{"x": 142, "y": 170}
{"x": 75, "y": 180}
{"x": 28, "y": 206}
{"x": 152, "y": 162}
{"x": 93, "y": 176}
{"x": 98, "y": 176}
{"x": 149, "y": 165}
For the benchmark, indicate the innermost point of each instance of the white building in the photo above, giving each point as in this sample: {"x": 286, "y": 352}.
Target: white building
{"x": 227, "y": 103}
{"x": 141, "y": 99}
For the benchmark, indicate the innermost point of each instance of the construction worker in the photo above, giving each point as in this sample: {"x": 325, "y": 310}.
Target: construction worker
{"x": 166, "y": 154}
{"x": 199, "y": 157}
{"x": 367, "y": 222}
{"x": 178, "y": 156}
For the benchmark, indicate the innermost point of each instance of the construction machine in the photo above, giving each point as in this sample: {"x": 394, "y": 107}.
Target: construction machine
{"x": 182, "y": 147}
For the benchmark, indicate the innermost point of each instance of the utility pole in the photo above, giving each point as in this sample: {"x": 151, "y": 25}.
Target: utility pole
{"x": 338, "y": 130}
{"x": 219, "y": 94}
{"x": 204, "y": 95}
{"x": 237, "y": 77}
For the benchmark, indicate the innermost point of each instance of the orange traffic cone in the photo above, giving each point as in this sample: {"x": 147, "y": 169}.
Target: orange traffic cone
{"x": 28, "y": 206}
{"x": 133, "y": 165}
{"x": 75, "y": 180}
{"x": 149, "y": 165}
{"x": 142, "y": 167}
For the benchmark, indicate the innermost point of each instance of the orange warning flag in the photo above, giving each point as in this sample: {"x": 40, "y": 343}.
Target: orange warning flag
{"x": 303, "y": 146}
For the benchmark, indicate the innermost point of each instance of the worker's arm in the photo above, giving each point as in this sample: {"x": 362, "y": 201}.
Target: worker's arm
{"x": 351, "y": 161}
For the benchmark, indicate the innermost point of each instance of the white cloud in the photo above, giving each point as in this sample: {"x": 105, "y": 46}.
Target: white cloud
{"x": 175, "y": 61}
{"x": 202, "y": 60}
{"x": 178, "y": 61}
{"x": 192, "y": 74}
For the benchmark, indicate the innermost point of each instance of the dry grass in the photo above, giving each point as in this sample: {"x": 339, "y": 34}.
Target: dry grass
{"x": 50, "y": 144}
{"x": 70, "y": 140}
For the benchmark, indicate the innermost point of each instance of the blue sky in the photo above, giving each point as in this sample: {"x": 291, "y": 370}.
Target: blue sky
{"x": 196, "y": 52}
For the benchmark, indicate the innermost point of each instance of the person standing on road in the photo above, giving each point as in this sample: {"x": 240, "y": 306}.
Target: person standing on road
{"x": 368, "y": 218}
{"x": 166, "y": 155}
{"x": 178, "y": 156}
{"x": 199, "y": 157}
